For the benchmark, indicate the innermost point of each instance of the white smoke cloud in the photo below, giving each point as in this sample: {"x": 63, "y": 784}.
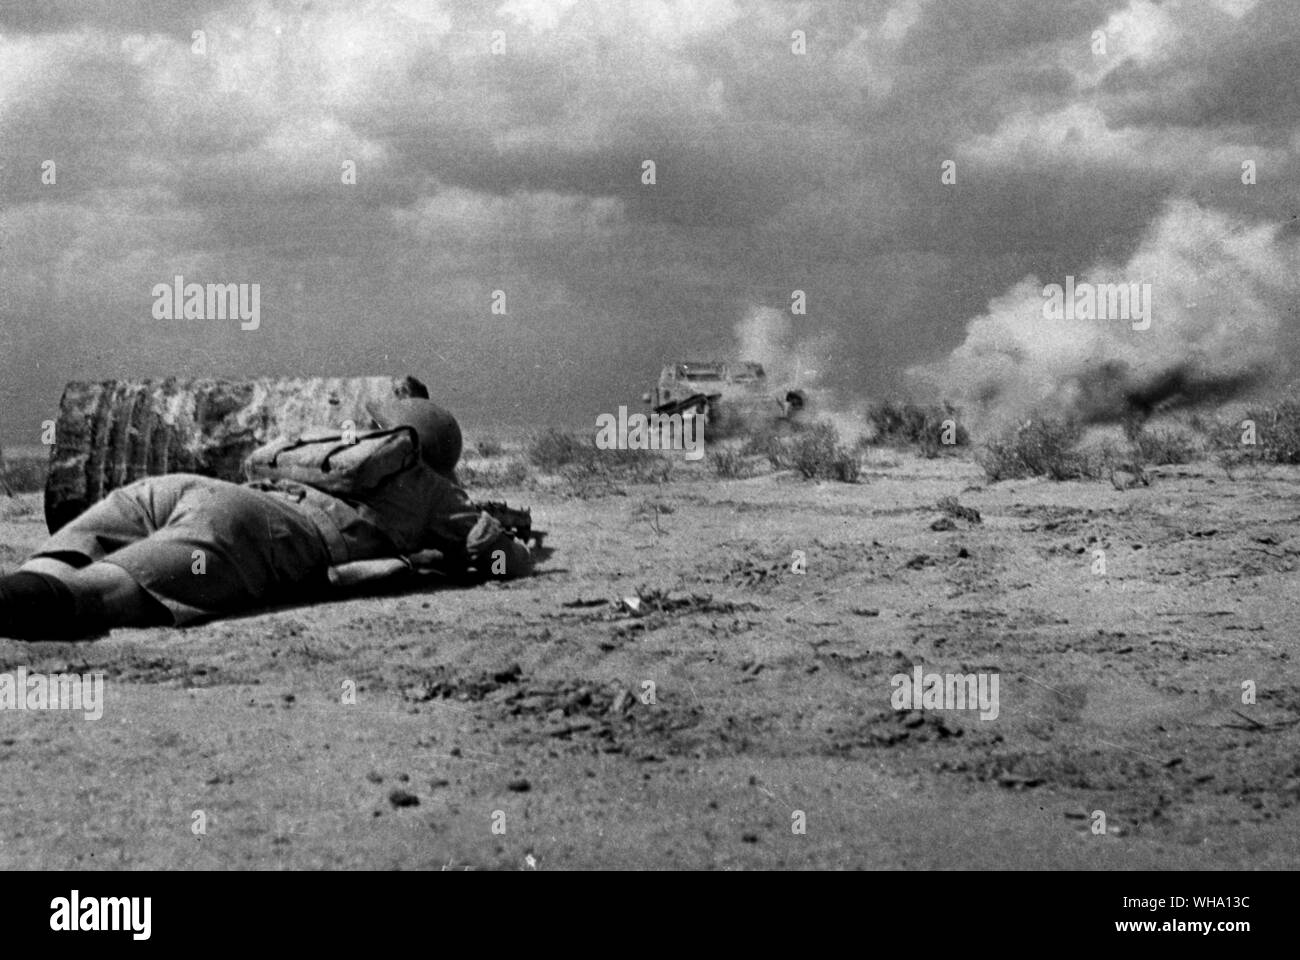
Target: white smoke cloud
{"x": 1219, "y": 286}
{"x": 771, "y": 337}
{"x": 794, "y": 360}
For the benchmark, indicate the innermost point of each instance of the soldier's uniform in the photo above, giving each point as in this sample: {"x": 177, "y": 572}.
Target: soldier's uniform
{"x": 203, "y": 547}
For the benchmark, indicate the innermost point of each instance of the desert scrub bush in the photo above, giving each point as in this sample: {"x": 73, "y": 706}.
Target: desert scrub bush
{"x": 489, "y": 447}
{"x": 818, "y": 455}
{"x": 594, "y": 472}
{"x": 23, "y": 474}
{"x": 1037, "y": 448}
{"x": 728, "y": 464}
{"x": 1277, "y": 430}
{"x": 1221, "y": 433}
{"x": 770, "y": 445}
{"x": 555, "y": 448}
{"x": 908, "y": 424}
{"x": 1163, "y": 446}
{"x": 1120, "y": 463}
{"x": 511, "y": 473}
{"x": 1234, "y": 461}
{"x": 515, "y": 473}
{"x": 638, "y": 466}
{"x": 589, "y": 478}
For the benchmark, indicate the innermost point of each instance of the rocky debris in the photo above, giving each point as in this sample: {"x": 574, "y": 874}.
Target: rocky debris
{"x": 1016, "y": 781}
{"x": 752, "y": 574}
{"x": 952, "y": 508}
{"x": 442, "y": 687}
{"x": 648, "y": 609}
{"x": 662, "y": 601}
{"x": 648, "y": 600}
{"x": 402, "y": 798}
{"x": 609, "y": 717}
{"x": 888, "y": 728}
{"x": 561, "y": 700}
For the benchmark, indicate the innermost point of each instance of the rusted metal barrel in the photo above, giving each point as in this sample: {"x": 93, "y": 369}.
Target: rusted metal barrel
{"x": 113, "y": 432}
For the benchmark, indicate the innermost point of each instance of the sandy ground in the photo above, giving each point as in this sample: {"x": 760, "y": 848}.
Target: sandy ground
{"x": 520, "y": 706}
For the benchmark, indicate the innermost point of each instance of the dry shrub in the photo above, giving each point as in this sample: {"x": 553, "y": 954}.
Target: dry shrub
{"x": 591, "y": 471}
{"x": 1277, "y": 433}
{"x": 23, "y": 474}
{"x": 1163, "y": 446}
{"x": 490, "y": 447}
{"x": 1043, "y": 447}
{"x": 510, "y": 473}
{"x": 899, "y": 424}
{"x": 729, "y": 464}
{"x": 818, "y": 455}
{"x": 1277, "y": 430}
{"x": 555, "y": 448}
{"x": 771, "y": 446}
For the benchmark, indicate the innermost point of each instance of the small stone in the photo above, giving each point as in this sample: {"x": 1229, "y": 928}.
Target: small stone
{"x": 519, "y": 785}
{"x": 402, "y": 798}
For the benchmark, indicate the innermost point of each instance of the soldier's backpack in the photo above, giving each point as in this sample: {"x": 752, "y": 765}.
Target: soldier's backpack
{"x": 345, "y": 465}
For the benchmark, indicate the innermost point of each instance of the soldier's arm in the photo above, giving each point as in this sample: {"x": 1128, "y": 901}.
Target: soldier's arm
{"x": 476, "y": 539}
{"x": 494, "y": 552}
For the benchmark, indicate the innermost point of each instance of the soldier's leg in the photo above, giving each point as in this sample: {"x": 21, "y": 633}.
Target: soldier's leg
{"x": 168, "y": 549}
{"x": 73, "y": 603}
{"x": 63, "y": 593}
{"x": 223, "y": 549}
{"x": 109, "y": 596}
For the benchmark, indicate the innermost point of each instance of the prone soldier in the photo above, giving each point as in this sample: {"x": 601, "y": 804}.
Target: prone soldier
{"x": 181, "y": 548}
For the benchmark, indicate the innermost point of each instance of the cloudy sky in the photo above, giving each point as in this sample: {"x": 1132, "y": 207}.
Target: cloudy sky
{"x": 520, "y": 170}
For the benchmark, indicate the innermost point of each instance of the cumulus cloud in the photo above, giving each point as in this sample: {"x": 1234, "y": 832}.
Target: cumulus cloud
{"x": 521, "y": 170}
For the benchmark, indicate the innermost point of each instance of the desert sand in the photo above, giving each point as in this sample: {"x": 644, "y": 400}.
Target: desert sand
{"x": 505, "y": 726}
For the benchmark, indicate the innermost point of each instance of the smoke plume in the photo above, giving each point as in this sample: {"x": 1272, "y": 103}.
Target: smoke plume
{"x": 797, "y": 361}
{"x": 1219, "y": 289}
{"x": 769, "y": 336}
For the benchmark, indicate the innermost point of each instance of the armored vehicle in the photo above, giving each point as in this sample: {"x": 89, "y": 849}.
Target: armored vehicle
{"x": 728, "y": 395}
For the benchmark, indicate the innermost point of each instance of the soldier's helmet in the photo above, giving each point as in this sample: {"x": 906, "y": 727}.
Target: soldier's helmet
{"x": 440, "y": 438}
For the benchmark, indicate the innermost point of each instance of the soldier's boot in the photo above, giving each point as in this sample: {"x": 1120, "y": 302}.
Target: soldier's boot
{"x": 37, "y": 606}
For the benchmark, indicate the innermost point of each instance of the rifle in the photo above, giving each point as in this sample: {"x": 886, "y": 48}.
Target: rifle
{"x": 387, "y": 571}
{"x": 517, "y": 523}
